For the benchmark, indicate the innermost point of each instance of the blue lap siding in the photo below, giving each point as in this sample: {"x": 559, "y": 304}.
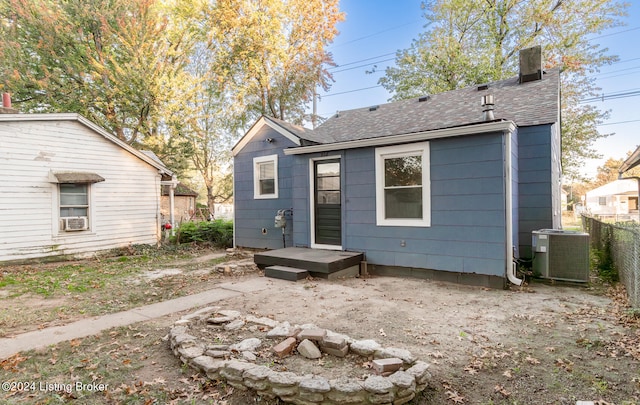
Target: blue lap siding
{"x": 539, "y": 182}
{"x": 254, "y": 215}
{"x": 467, "y": 233}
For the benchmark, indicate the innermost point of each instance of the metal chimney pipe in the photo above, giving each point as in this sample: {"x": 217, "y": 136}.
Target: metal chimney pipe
{"x": 6, "y": 100}
{"x": 487, "y": 107}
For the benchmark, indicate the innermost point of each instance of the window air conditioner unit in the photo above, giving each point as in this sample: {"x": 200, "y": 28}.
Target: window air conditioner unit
{"x": 75, "y": 223}
{"x": 561, "y": 255}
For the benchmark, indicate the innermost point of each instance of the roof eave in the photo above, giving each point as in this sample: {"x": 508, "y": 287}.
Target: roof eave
{"x": 499, "y": 126}
{"x": 163, "y": 170}
{"x": 631, "y": 162}
{"x": 255, "y": 128}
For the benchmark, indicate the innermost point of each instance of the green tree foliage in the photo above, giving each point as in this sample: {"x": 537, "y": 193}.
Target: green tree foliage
{"x": 253, "y": 58}
{"x": 179, "y": 77}
{"x": 477, "y": 41}
{"x": 109, "y": 61}
{"x": 272, "y": 52}
{"x": 608, "y": 172}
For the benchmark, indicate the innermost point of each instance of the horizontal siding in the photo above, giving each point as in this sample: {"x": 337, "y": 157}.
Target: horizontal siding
{"x": 537, "y": 171}
{"x": 253, "y": 215}
{"x": 467, "y": 214}
{"x": 123, "y": 209}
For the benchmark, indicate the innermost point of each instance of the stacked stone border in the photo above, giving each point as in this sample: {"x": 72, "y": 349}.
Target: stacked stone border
{"x": 236, "y": 365}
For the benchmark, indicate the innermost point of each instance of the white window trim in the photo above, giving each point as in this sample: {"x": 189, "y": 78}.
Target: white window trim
{"x": 57, "y": 229}
{"x": 412, "y": 149}
{"x": 256, "y": 176}
{"x": 312, "y": 210}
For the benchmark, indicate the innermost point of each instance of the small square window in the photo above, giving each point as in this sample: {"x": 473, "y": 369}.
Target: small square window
{"x": 265, "y": 177}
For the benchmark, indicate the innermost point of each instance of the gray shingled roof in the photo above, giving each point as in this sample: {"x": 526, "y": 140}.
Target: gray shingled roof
{"x": 299, "y": 131}
{"x": 526, "y": 104}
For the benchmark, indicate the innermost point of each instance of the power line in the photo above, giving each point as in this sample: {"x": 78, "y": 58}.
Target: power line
{"x": 376, "y": 33}
{"x": 350, "y": 91}
{"x": 360, "y": 66}
{"x": 603, "y": 97}
{"x": 611, "y": 96}
{"x": 616, "y": 71}
{"x": 362, "y": 60}
{"x": 615, "y": 33}
{"x": 619, "y": 122}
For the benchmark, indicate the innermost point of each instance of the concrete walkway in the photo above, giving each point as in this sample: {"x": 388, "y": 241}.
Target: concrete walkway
{"x": 92, "y": 326}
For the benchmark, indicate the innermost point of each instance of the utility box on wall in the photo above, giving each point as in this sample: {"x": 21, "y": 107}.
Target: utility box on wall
{"x": 561, "y": 255}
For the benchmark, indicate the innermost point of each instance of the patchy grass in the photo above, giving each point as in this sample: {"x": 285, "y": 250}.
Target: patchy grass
{"x": 570, "y": 352}
{"x": 128, "y": 365}
{"x": 42, "y": 295}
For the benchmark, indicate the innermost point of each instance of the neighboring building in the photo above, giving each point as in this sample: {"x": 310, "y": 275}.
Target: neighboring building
{"x": 184, "y": 203}
{"x": 616, "y": 201}
{"x": 429, "y": 186}
{"x": 71, "y": 188}
{"x": 223, "y": 211}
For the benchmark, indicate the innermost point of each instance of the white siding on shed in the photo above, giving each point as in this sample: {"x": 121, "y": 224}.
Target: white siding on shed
{"x": 124, "y": 209}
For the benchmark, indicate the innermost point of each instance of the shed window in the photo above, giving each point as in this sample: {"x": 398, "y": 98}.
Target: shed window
{"x": 602, "y": 200}
{"x": 265, "y": 177}
{"x": 403, "y": 185}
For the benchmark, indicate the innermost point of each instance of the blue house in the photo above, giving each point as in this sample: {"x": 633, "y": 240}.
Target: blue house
{"x": 439, "y": 186}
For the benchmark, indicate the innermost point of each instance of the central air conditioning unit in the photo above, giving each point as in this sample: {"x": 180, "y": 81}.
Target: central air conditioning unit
{"x": 74, "y": 223}
{"x": 561, "y": 255}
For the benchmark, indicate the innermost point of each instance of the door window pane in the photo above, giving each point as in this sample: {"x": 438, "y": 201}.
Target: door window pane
{"x": 328, "y": 197}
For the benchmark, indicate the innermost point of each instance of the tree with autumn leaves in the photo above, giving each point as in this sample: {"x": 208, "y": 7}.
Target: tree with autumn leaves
{"x": 182, "y": 78}
{"x": 477, "y": 41}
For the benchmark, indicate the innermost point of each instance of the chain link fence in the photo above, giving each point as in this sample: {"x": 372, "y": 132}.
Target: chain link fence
{"x": 624, "y": 243}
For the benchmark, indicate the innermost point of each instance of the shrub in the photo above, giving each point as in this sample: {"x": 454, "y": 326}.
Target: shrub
{"x": 604, "y": 261}
{"x": 218, "y": 233}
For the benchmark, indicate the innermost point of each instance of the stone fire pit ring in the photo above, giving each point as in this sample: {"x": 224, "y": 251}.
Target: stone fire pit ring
{"x": 395, "y": 377}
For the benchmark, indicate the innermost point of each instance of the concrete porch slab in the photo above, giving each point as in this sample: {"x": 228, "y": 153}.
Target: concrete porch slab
{"x": 313, "y": 260}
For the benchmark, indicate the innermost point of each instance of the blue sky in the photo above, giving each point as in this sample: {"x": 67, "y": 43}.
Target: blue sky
{"x": 375, "y": 29}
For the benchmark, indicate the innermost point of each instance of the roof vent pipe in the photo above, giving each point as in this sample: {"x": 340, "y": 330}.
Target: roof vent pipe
{"x": 6, "y": 100}
{"x": 487, "y": 107}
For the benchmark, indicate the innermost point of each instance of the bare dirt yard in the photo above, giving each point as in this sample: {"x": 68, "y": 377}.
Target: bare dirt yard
{"x": 537, "y": 344}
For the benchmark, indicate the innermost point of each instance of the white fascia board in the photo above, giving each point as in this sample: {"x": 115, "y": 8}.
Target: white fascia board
{"x": 256, "y": 128}
{"x": 631, "y": 162}
{"x": 91, "y": 125}
{"x": 501, "y": 126}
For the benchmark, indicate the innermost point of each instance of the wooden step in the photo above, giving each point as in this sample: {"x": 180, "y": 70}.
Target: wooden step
{"x": 285, "y": 273}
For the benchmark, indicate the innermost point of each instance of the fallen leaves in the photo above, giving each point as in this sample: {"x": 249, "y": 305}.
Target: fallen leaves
{"x": 12, "y": 363}
{"x": 501, "y": 390}
{"x": 455, "y": 397}
{"x": 565, "y": 364}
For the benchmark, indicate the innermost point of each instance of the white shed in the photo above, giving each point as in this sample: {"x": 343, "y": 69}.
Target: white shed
{"x": 617, "y": 200}
{"x": 71, "y": 188}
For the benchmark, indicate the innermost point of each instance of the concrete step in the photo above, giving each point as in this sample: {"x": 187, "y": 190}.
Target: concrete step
{"x": 285, "y": 273}
{"x": 316, "y": 261}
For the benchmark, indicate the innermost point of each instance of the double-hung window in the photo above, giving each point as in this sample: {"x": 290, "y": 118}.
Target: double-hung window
{"x": 402, "y": 185}
{"x": 74, "y": 198}
{"x": 265, "y": 177}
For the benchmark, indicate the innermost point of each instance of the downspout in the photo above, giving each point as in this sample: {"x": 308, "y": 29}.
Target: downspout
{"x": 508, "y": 187}
{"x": 173, "y": 183}
{"x": 172, "y": 188}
